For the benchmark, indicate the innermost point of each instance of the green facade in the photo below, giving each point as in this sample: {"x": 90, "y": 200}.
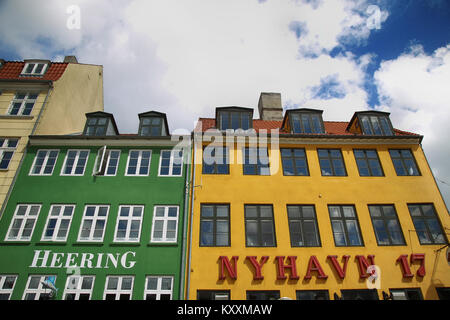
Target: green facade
{"x": 151, "y": 259}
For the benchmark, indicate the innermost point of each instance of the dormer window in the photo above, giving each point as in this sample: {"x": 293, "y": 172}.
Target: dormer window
{"x": 34, "y": 68}
{"x": 305, "y": 121}
{"x": 234, "y": 118}
{"x": 100, "y": 124}
{"x": 378, "y": 125}
{"x": 153, "y": 124}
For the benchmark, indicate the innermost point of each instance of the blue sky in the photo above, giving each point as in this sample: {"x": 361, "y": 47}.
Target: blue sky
{"x": 185, "y": 58}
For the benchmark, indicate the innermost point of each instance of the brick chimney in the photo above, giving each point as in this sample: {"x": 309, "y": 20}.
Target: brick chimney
{"x": 269, "y": 106}
{"x": 70, "y": 59}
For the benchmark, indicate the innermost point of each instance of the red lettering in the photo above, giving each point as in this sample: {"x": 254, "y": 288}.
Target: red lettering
{"x": 281, "y": 268}
{"x": 364, "y": 264}
{"x": 231, "y": 269}
{"x": 341, "y": 271}
{"x": 258, "y": 266}
{"x": 406, "y": 271}
{"x": 314, "y": 265}
{"x": 419, "y": 257}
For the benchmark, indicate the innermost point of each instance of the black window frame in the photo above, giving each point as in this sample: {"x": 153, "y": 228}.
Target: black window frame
{"x": 293, "y": 158}
{"x": 215, "y": 166}
{"x": 366, "y": 159}
{"x": 258, "y": 166}
{"x": 212, "y": 294}
{"x": 344, "y": 225}
{"x": 302, "y": 220}
{"x": 214, "y": 219}
{"x": 259, "y": 221}
{"x": 426, "y": 218}
{"x": 263, "y": 294}
{"x": 159, "y": 126}
{"x": 408, "y": 292}
{"x": 372, "y": 131}
{"x": 330, "y": 159}
{"x": 443, "y": 293}
{"x": 228, "y": 113}
{"x": 309, "y": 115}
{"x": 385, "y": 220}
{"x": 319, "y": 295}
{"x": 363, "y": 292}
{"x": 402, "y": 160}
{"x": 96, "y": 125}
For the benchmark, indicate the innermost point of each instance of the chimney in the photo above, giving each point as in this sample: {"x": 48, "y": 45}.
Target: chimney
{"x": 269, "y": 106}
{"x": 70, "y": 59}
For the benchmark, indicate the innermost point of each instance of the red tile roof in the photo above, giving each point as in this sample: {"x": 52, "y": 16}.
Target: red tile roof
{"x": 11, "y": 70}
{"x": 331, "y": 127}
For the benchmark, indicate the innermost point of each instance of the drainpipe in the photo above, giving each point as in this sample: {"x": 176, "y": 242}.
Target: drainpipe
{"x": 191, "y": 220}
{"x": 185, "y": 223}
{"x": 50, "y": 89}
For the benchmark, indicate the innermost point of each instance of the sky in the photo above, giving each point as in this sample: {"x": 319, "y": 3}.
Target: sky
{"x": 185, "y": 58}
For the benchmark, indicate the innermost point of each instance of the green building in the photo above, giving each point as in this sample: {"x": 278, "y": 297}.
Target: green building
{"x": 100, "y": 215}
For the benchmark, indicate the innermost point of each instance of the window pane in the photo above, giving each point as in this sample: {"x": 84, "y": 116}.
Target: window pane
{"x": 353, "y": 232}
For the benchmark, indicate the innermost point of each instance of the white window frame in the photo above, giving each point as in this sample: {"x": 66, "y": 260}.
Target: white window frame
{"x": 105, "y": 161}
{"x": 58, "y": 218}
{"x": 172, "y": 153}
{"x": 44, "y": 164}
{"x": 165, "y": 220}
{"x": 4, "y": 148}
{"x": 23, "y": 103}
{"x": 138, "y": 165}
{"x": 2, "y": 283}
{"x": 24, "y": 218}
{"x": 75, "y": 164}
{"x": 129, "y": 219}
{"x": 33, "y": 72}
{"x": 158, "y": 291}
{"x": 94, "y": 219}
{"x": 119, "y": 289}
{"x": 76, "y": 288}
{"x": 40, "y": 289}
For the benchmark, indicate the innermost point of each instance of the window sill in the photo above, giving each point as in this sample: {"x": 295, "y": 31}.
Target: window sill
{"x": 15, "y": 242}
{"x": 46, "y": 243}
{"x": 125, "y": 244}
{"x": 98, "y": 244}
{"x": 7, "y": 116}
{"x": 163, "y": 244}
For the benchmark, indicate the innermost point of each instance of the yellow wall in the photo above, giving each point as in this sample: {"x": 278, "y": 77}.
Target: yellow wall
{"x": 15, "y": 127}
{"x": 278, "y": 190}
{"x": 78, "y": 91}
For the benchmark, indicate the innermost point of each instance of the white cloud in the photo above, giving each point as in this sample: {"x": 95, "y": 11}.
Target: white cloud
{"x": 415, "y": 89}
{"x": 186, "y": 57}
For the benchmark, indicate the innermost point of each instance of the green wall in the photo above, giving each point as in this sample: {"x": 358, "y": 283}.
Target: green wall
{"x": 151, "y": 259}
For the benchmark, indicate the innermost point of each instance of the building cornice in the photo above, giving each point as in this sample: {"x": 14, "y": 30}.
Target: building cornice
{"x": 120, "y": 141}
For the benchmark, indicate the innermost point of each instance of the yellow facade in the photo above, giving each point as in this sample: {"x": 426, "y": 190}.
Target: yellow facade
{"x": 58, "y": 109}
{"x": 237, "y": 189}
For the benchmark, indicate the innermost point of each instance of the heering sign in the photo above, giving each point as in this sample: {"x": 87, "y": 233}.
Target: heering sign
{"x": 49, "y": 259}
{"x": 364, "y": 264}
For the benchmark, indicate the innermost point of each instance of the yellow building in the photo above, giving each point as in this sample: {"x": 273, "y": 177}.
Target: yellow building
{"x": 42, "y": 97}
{"x": 321, "y": 210}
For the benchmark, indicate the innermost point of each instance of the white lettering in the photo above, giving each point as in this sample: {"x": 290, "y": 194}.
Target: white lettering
{"x": 70, "y": 260}
{"x": 123, "y": 261}
{"x": 110, "y": 257}
{"x": 56, "y": 259}
{"x": 36, "y": 258}
{"x": 74, "y": 261}
{"x": 86, "y": 258}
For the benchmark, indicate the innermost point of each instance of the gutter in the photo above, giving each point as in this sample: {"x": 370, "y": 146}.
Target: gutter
{"x": 191, "y": 221}
{"x": 185, "y": 223}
